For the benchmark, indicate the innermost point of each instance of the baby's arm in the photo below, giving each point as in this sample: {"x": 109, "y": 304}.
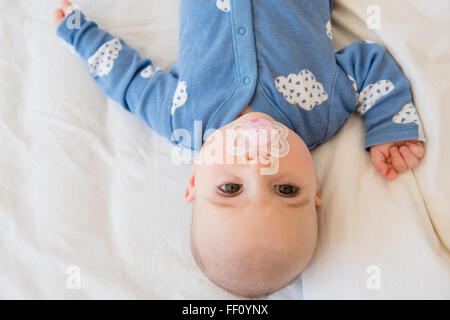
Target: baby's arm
{"x": 120, "y": 72}
{"x": 394, "y": 131}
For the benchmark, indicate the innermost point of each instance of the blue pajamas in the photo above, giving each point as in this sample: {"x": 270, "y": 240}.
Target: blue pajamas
{"x": 275, "y": 55}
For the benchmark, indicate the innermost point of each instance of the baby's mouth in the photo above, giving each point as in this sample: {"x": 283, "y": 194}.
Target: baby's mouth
{"x": 267, "y": 138}
{"x": 257, "y": 131}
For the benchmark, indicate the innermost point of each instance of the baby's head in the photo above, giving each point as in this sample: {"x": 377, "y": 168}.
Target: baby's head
{"x": 253, "y": 195}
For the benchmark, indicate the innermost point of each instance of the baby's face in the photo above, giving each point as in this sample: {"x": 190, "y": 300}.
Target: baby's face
{"x": 254, "y": 206}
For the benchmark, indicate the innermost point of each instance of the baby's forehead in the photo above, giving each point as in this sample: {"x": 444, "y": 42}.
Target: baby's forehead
{"x": 238, "y": 252}
{"x": 250, "y": 219}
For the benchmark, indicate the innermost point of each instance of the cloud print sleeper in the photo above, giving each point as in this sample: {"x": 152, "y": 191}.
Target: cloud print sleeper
{"x": 275, "y": 55}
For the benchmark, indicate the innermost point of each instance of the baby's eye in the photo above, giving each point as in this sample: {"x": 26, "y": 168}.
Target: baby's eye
{"x": 287, "y": 190}
{"x": 230, "y": 188}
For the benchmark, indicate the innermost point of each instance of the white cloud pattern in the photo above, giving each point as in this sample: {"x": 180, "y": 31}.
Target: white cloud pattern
{"x": 408, "y": 114}
{"x": 224, "y": 5}
{"x": 302, "y": 89}
{"x": 102, "y": 62}
{"x": 149, "y": 72}
{"x": 370, "y": 94}
{"x": 180, "y": 97}
{"x": 355, "y": 86}
{"x": 329, "y": 32}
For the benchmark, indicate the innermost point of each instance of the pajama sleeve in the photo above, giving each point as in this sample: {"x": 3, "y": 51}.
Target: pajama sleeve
{"x": 129, "y": 80}
{"x": 383, "y": 95}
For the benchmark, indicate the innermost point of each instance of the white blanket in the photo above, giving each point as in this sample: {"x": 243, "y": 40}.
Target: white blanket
{"x": 91, "y": 205}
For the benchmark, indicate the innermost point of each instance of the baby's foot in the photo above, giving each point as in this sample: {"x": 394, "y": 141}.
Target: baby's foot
{"x": 61, "y": 13}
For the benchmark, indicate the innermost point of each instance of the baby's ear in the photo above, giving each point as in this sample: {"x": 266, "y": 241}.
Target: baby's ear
{"x": 318, "y": 200}
{"x": 190, "y": 190}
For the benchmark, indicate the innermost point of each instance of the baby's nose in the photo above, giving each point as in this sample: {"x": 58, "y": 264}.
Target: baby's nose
{"x": 260, "y": 156}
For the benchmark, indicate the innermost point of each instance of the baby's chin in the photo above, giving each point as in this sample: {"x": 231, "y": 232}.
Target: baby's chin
{"x": 220, "y": 135}
{"x": 251, "y": 115}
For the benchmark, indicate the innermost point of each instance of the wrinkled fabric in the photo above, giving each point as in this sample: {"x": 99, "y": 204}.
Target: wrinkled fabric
{"x": 275, "y": 55}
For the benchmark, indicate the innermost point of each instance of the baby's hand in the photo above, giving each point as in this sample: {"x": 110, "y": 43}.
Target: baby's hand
{"x": 395, "y": 157}
{"x": 61, "y": 13}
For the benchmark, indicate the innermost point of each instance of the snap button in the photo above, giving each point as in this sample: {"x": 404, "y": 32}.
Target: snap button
{"x": 247, "y": 80}
{"x": 242, "y": 30}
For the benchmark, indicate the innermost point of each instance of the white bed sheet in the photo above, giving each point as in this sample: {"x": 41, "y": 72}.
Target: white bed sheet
{"x": 85, "y": 184}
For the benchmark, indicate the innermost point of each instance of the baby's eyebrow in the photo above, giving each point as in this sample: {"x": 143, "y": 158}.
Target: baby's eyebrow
{"x": 298, "y": 204}
{"x": 232, "y": 204}
{"x": 227, "y": 204}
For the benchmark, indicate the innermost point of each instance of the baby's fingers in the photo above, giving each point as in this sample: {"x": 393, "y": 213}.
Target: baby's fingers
{"x": 416, "y": 148}
{"x": 66, "y": 4}
{"x": 380, "y": 163}
{"x": 67, "y": 7}
{"x": 397, "y": 161}
{"x": 58, "y": 16}
{"x": 411, "y": 160}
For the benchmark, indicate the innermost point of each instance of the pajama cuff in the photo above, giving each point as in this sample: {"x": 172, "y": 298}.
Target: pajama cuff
{"x": 70, "y": 25}
{"x": 408, "y": 132}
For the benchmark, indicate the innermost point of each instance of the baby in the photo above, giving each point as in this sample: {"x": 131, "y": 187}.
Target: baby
{"x": 256, "y": 87}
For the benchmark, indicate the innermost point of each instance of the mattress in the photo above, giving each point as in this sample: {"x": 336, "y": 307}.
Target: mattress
{"x": 92, "y": 208}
